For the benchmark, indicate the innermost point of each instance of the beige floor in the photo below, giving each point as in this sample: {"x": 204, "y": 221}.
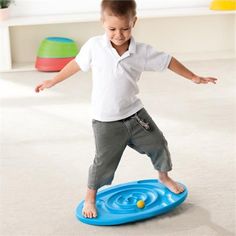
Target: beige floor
{"x": 47, "y": 147}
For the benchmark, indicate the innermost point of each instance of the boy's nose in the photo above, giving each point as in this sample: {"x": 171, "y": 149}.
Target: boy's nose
{"x": 119, "y": 34}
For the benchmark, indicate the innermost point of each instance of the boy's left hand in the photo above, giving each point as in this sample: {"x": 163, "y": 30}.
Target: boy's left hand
{"x": 203, "y": 80}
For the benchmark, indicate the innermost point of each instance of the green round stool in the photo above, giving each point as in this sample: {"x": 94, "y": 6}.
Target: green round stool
{"x": 57, "y": 47}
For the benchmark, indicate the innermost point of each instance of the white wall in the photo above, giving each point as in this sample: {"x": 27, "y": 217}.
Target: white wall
{"x": 234, "y": 29}
{"x": 193, "y": 37}
{"x": 44, "y": 7}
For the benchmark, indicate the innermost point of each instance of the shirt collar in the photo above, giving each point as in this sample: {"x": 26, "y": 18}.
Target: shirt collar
{"x": 132, "y": 45}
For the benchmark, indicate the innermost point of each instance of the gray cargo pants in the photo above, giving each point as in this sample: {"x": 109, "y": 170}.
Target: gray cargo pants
{"x": 111, "y": 138}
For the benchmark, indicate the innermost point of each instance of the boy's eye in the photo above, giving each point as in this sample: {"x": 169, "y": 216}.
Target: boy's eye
{"x": 125, "y": 29}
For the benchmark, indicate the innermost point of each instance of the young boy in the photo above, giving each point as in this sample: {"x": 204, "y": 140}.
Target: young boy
{"x": 119, "y": 118}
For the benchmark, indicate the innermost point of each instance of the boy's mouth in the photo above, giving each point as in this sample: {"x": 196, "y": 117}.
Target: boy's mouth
{"x": 119, "y": 40}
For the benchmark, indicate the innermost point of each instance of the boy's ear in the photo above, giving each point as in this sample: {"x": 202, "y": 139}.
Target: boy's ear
{"x": 135, "y": 19}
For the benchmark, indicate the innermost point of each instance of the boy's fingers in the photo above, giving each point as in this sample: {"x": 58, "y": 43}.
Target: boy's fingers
{"x": 39, "y": 88}
{"x": 208, "y": 80}
{"x": 212, "y": 80}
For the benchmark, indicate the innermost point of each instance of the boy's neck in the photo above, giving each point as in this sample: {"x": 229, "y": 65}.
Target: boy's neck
{"x": 122, "y": 48}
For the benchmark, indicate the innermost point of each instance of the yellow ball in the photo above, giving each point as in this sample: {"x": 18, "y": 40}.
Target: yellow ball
{"x": 140, "y": 204}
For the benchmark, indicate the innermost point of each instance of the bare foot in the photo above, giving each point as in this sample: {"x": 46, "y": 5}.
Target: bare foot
{"x": 89, "y": 210}
{"x": 171, "y": 184}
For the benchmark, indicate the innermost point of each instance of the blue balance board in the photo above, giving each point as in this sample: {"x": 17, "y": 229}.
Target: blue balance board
{"x": 118, "y": 204}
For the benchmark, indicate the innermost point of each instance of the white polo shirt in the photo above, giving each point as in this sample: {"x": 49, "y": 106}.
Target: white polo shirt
{"x": 114, "y": 93}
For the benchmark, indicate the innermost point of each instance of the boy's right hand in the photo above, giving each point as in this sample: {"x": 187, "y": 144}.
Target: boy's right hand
{"x": 43, "y": 85}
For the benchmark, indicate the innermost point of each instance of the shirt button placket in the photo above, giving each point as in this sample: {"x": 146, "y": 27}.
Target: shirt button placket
{"x": 117, "y": 66}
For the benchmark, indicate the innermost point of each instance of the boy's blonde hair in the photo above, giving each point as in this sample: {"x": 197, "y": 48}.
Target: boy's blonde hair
{"x": 119, "y": 7}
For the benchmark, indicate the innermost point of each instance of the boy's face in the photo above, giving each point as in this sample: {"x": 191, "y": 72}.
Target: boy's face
{"x": 118, "y": 29}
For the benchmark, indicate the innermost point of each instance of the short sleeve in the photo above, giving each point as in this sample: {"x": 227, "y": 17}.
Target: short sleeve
{"x": 84, "y": 56}
{"x": 155, "y": 60}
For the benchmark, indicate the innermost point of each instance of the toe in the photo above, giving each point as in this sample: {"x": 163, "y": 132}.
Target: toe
{"x": 83, "y": 213}
{"x": 177, "y": 191}
{"x": 94, "y": 215}
{"x": 181, "y": 188}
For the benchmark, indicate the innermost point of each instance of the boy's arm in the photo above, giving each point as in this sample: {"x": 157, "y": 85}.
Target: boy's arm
{"x": 180, "y": 69}
{"x": 71, "y": 68}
